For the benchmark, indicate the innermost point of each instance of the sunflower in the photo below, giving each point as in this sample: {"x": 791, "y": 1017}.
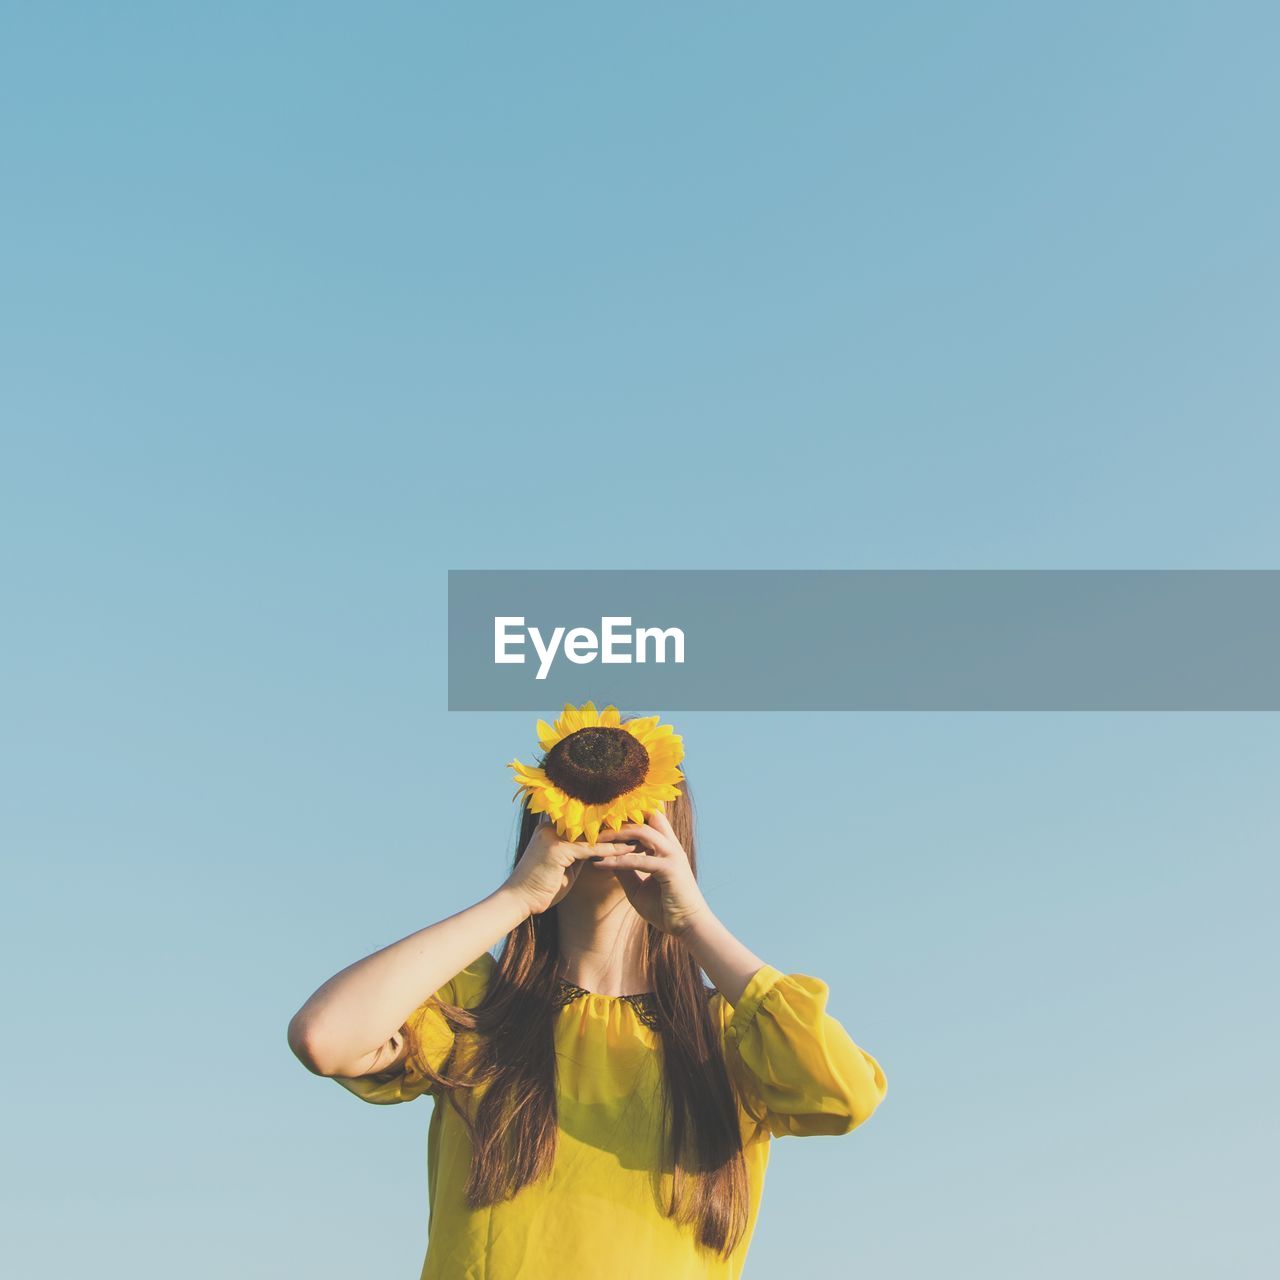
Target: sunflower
{"x": 597, "y": 771}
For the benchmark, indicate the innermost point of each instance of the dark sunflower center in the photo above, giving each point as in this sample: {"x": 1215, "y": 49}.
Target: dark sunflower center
{"x": 597, "y": 765}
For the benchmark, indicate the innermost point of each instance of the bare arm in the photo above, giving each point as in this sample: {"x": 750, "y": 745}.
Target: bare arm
{"x": 351, "y": 1024}
{"x": 729, "y": 964}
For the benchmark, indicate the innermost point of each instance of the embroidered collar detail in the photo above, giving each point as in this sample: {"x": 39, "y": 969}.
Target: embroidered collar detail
{"x": 645, "y": 1003}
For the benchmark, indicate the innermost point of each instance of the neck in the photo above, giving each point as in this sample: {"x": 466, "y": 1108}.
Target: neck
{"x": 601, "y": 941}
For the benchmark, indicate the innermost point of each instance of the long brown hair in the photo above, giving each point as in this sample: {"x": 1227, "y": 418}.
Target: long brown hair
{"x": 514, "y": 1126}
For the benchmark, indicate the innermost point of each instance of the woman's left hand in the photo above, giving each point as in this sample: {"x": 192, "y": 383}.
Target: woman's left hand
{"x": 657, "y": 877}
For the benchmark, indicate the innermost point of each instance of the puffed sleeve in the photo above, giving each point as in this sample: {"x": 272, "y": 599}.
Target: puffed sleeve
{"x": 795, "y": 1064}
{"x": 429, "y": 1039}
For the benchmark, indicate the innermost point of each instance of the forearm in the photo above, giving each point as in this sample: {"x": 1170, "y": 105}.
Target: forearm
{"x": 727, "y": 962}
{"x": 366, "y": 1003}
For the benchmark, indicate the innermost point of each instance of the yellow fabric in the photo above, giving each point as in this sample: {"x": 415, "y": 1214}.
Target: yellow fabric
{"x": 596, "y": 1215}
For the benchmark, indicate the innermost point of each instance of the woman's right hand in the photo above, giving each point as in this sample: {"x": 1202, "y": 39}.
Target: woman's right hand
{"x": 550, "y": 865}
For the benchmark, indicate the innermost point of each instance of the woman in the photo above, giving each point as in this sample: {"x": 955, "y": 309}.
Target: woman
{"x": 600, "y": 1112}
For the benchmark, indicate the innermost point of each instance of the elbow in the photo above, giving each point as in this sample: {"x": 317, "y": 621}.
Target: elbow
{"x": 302, "y": 1040}
{"x": 858, "y": 1113}
{"x": 840, "y": 1111}
{"x": 315, "y": 1051}
{"x": 865, "y": 1095}
{"x": 844, "y": 1115}
{"x": 857, "y": 1099}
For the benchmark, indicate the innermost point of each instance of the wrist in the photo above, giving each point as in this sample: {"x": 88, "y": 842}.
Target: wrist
{"x": 517, "y": 906}
{"x": 696, "y": 926}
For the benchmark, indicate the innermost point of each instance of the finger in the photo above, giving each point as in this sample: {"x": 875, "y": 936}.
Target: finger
{"x": 645, "y": 835}
{"x": 658, "y": 821}
{"x": 581, "y": 849}
{"x": 632, "y": 862}
{"x": 609, "y": 862}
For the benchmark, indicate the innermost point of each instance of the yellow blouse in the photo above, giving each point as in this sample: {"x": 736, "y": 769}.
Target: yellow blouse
{"x": 595, "y": 1216}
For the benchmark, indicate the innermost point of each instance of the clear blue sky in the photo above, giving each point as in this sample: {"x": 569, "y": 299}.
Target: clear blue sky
{"x": 305, "y": 304}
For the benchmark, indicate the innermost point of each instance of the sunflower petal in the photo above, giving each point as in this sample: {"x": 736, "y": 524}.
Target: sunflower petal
{"x": 529, "y": 773}
{"x": 639, "y": 729}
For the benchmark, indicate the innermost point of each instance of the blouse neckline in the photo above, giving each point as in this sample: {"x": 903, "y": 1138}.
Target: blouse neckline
{"x": 566, "y": 986}
{"x": 644, "y": 1003}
